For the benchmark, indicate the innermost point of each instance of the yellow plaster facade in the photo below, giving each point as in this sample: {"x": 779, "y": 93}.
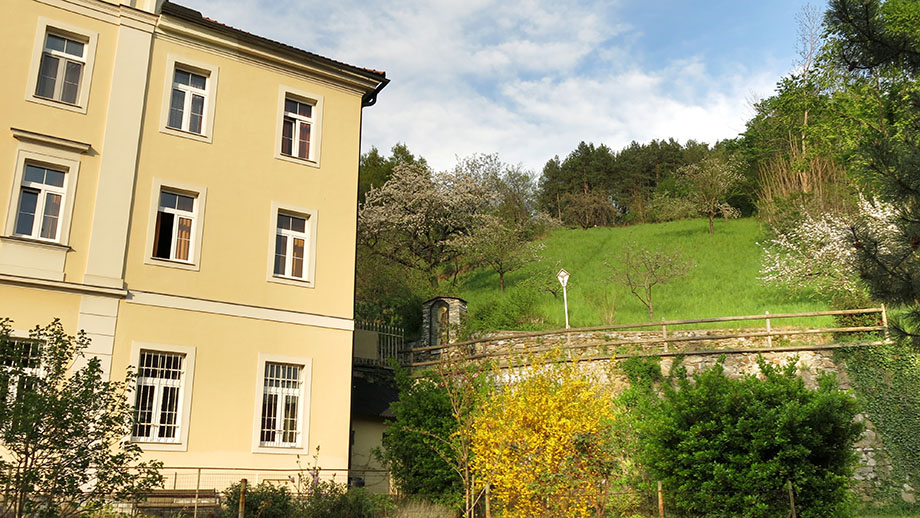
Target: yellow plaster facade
{"x": 192, "y": 225}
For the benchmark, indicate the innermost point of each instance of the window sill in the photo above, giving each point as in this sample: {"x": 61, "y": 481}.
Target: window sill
{"x": 280, "y": 450}
{"x": 160, "y": 446}
{"x": 297, "y": 160}
{"x": 200, "y": 137}
{"x": 291, "y": 281}
{"x": 53, "y": 245}
{"x": 57, "y": 104}
{"x": 167, "y": 263}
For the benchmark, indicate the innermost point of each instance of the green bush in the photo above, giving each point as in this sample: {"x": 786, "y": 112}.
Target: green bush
{"x": 422, "y": 413}
{"x": 262, "y": 501}
{"x": 665, "y": 207}
{"x": 727, "y": 447}
{"x": 327, "y": 499}
{"x": 321, "y": 499}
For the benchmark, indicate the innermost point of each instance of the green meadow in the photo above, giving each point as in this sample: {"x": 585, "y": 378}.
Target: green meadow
{"x": 723, "y": 281}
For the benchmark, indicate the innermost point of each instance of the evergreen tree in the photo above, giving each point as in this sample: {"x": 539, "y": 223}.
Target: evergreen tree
{"x": 879, "y": 45}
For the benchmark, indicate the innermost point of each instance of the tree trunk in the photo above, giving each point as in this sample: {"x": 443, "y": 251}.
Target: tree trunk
{"x": 501, "y": 281}
{"x": 711, "y": 215}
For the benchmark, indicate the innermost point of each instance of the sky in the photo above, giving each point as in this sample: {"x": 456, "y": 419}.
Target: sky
{"x": 530, "y": 79}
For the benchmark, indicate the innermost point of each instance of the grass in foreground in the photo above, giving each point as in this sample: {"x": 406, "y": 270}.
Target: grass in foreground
{"x": 723, "y": 282}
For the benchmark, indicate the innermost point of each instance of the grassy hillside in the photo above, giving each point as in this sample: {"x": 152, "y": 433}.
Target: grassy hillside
{"x": 723, "y": 282}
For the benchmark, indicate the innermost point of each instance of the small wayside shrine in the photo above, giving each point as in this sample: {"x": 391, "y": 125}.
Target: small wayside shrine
{"x": 441, "y": 317}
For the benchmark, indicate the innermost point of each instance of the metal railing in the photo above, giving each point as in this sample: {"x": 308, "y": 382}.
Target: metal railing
{"x": 390, "y": 343}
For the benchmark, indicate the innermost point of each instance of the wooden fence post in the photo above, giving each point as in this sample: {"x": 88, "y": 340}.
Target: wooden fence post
{"x": 769, "y": 335}
{"x": 242, "y": 513}
{"x": 197, "y": 488}
{"x": 791, "y": 499}
{"x": 664, "y": 332}
{"x": 660, "y": 501}
{"x": 488, "y": 511}
{"x": 885, "y": 321}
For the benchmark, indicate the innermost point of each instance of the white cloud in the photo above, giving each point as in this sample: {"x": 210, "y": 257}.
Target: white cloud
{"x": 527, "y": 79}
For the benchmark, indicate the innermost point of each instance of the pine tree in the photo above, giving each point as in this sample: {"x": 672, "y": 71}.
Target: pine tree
{"x": 878, "y": 43}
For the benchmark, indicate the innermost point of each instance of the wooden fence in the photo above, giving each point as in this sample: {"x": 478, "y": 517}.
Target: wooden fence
{"x": 476, "y": 350}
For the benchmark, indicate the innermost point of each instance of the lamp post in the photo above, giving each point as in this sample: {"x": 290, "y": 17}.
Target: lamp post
{"x": 563, "y": 277}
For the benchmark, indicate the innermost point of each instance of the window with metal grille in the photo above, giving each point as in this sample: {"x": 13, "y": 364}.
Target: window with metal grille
{"x": 281, "y": 405}
{"x": 21, "y": 358}
{"x": 157, "y": 402}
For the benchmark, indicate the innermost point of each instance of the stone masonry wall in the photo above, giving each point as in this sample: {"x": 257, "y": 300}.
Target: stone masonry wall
{"x": 814, "y": 353}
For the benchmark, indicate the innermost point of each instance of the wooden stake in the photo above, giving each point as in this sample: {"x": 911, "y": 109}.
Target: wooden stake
{"x": 791, "y": 499}
{"x": 242, "y": 498}
{"x": 885, "y": 321}
{"x": 197, "y": 488}
{"x": 660, "y": 501}
{"x": 664, "y": 333}
{"x": 769, "y": 336}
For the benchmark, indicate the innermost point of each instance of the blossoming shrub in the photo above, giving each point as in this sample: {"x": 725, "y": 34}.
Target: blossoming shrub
{"x": 546, "y": 440}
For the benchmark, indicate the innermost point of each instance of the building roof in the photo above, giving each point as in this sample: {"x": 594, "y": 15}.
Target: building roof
{"x": 193, "y": 16}
{"x": 443, "y": 297}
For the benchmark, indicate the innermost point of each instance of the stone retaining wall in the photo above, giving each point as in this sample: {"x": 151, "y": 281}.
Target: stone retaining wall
{"x": 814, "y": 353}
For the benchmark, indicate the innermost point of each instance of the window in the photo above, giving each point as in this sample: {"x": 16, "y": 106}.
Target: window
{"x": 299, "y": 126}
{"x": 175, "y": 224}
{"x": 157, "y": 405}
{"x": 40, "y": 201}
{"x": 282, "y": 401}
{"x": 21, "y": 359}
{"x": 290, "y": 243}
{"x": 190, "y": 94}
{"x": 292, "y": 246}
{"x": 187, "y": 100}
{"x": 62, "y": 65}
{"x": 281, "y": 404}
{"x": 295, "y": 134}
{"x": 40, "y": 205}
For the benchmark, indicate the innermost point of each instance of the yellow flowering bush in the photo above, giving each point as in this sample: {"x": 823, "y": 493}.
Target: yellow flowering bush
{"x": 545, "y": 440}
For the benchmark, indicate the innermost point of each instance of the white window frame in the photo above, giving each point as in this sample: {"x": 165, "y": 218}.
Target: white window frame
{"x": 210, "y": 73}
{"x": 200, "y": 194}
{"x": 303, "y": 412}
{"x": 89, "y": 40}
{"x": 24, "y": 336}
{"x": 316, "y": 129}
{"x": 309, "y": 270}
{"x": 43, "y": 189}
{"x": 186, "y": 389}
{"x": 49, "y": 152}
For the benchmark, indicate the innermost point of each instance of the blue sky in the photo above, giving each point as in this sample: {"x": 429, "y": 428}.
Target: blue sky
{"x": 530, "y": 79}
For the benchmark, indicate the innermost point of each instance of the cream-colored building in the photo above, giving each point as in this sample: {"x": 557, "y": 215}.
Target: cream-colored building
{"x": 185, "y": 193}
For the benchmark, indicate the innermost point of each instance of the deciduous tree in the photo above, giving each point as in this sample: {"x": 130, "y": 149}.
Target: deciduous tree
{"x": 711, "y": 183}
{"x": 641, "y": 270}
{"x": 64, "y": 428}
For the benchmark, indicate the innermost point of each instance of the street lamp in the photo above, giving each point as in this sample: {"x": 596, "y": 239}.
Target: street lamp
{"x": 563, "y": 277}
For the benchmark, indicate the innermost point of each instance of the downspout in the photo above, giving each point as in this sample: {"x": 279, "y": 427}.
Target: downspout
{"x": 368, "y": 99}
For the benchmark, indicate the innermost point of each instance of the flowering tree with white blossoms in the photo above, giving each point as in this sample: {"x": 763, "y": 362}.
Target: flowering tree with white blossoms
{"x": 820, "y": 254}
{"x": 413, "y": 218}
